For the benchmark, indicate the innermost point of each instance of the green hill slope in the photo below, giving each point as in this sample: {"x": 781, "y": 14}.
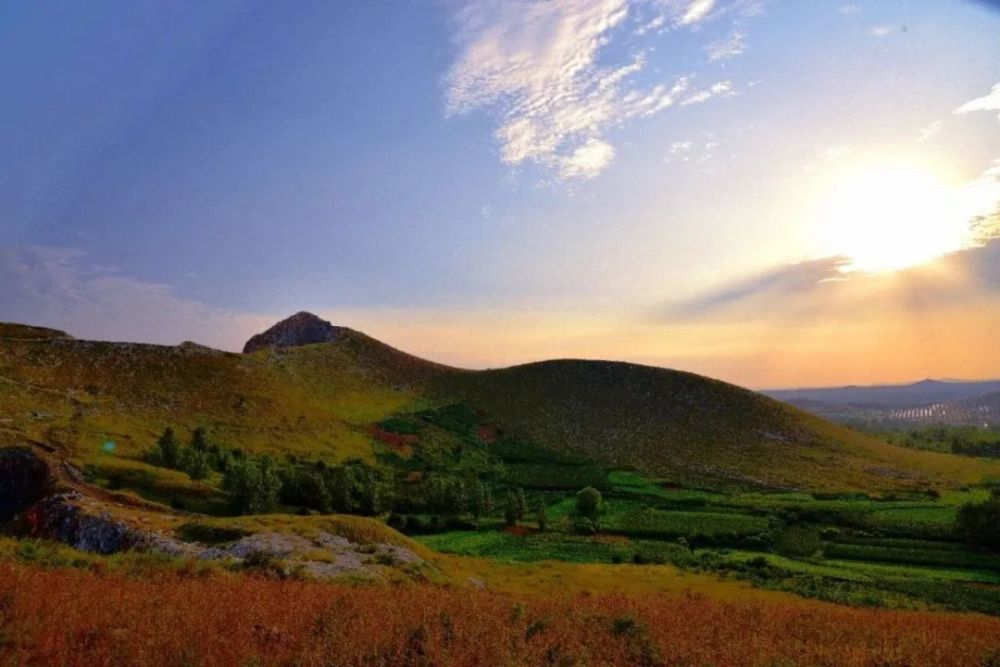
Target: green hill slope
{"x": 324, "y": 401}
{"x": 693, "y": 429}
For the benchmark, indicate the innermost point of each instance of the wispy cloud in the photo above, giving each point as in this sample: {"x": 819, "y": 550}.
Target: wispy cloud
{"x": 988, "y": 102}
{"x": 930, "y": 131}
{"x": 827, "y": 287}
{"x": 696, "y": 152}
{"x": 849, "y": 8}
{"x": 730, "y": 47}
{"x": 536, "y": 63}
{"x": 697, "y": 11}
{"x": 717, "y": 89}
{"x": 880, "y": 31}
{"x": 764, "y": 290}
{"x": 819, "y": 288}
{"x": 60, "y": 287}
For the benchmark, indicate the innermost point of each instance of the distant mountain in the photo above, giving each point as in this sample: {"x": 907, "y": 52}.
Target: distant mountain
{"x": 924, "y": 402}
{"x": 309, "y": 388}
{"x": 924, "y": 392}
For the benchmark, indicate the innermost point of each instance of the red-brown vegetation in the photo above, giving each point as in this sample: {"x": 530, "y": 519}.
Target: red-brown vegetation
{"x": 68, "y": 617}
{"x": 401, "y": 443}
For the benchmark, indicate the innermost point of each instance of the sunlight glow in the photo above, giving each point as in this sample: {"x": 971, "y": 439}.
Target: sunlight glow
{"x": 886, "y": 218}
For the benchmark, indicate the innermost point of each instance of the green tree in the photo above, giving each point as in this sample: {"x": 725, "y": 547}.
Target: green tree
{"x": 315, "y": 491}
{"x": 589, "y": 502}
{"x": 254, "y": 485}
{"x": 980, "y": 523}
{"x": 197, "y": 464}
{"x": 488, "y": 505}
{"x": 199, "y": 441}
{"x": 541, "y": 514}
{"x": 168, "y": 449}
{"x": 514, "y": 506}
{"x": 478, "y": 496}
{"x": 342, "y": 485}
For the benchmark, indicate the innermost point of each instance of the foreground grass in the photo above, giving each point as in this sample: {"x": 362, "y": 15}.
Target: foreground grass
{"x": 72, "y": 617}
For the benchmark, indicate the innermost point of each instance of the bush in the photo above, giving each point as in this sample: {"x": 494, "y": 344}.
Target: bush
{"x": 798, "y": 541}
{"x": 649, "y": 558}
{"x": 514, "y": 506}
{"x": 584, "y": 526}
{"x": 588, "y": 502}
{"x": 254, "y": 486}
{"x": 397, "y": 521}
{"x": 980, "y": 523}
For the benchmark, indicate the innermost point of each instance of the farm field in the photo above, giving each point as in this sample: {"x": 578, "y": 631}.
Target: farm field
{"x": 856, "y": 550}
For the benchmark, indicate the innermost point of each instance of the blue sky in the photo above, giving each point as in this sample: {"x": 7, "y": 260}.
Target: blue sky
{"x": 484, "y": 182}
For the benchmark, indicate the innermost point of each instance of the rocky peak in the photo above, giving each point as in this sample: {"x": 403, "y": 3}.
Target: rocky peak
{"x": 299, "y": 329}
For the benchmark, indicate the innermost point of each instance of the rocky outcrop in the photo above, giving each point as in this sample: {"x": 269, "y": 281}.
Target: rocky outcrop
{"x": 25, "y": 479}
{"x": 320, "y": 556}
{"x": 35, "y": 503}
{"x": 62, "y": 517}
{"x": 299, "y": 329}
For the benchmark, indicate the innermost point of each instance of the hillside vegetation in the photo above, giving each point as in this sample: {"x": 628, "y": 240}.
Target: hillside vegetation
{"x": 84, "y": 618}
{"x": 694, "y": 429}
{"x": 325, "y": 402}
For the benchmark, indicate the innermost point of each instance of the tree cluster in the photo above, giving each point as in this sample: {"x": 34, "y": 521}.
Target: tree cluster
{"x": 979, "y": 523}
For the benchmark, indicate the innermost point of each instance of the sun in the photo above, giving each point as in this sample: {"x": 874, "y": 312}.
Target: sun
{"x": 891, "y": 217}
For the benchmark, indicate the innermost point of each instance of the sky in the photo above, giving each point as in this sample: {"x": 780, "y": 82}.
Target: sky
{"x": 772, "y": 192}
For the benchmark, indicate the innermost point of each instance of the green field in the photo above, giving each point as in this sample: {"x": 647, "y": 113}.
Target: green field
{"x": 852, "y": 550}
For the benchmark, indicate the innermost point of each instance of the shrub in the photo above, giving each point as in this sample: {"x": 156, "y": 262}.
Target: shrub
{"x": 980, "y": 523}
{"x": 798, "y": 541}
{"x": 541, "y": 514}
{"x": 649, "y": 558}
{"x": 588, "y": 502}
{"x": 584, "y": 526}
{"x": 397, "y": 521}
{"x": 514, "y": 506}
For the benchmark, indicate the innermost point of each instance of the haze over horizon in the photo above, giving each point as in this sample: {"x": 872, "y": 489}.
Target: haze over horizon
{"x": 484, "y": 183}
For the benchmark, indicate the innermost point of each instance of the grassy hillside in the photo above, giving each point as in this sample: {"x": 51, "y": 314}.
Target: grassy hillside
{"x": 325, "y": 402}
{"x": 692, "y": 429}
{"x": 317, "y": 400}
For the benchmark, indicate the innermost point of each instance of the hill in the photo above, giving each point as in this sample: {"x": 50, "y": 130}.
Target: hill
{"x": 692, "y": 429}
{"x": 924, "y": 392}
{"x": 928, "y": 402}
{"x": 326, "y": 401}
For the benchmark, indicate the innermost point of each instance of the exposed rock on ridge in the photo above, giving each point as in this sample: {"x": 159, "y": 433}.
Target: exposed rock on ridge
{"x": 299, "y": 329}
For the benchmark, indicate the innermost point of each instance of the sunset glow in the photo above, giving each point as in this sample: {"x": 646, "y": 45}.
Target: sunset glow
{"x": 887, "y": 218}
{"x": 708, "y": 185}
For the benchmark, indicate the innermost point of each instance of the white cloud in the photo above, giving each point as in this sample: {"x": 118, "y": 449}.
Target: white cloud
{"x": 880, "y": 31}
{"x": 536, "y": 64}
{"x": 696, "y": 152}
{"x": 927, "y": 133}
{"x": 588, "y": 160}
{"x": 850, "y": 8}
{"x": 696, "y": 11}
{"x": 988, "y": 102}
{"x": 730, "y": 47}
{"x": 59, "y": 287}
{"x": 679, "y": 150}
{"x": 718, "y": 89}
{"x": 653, "y": 24}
